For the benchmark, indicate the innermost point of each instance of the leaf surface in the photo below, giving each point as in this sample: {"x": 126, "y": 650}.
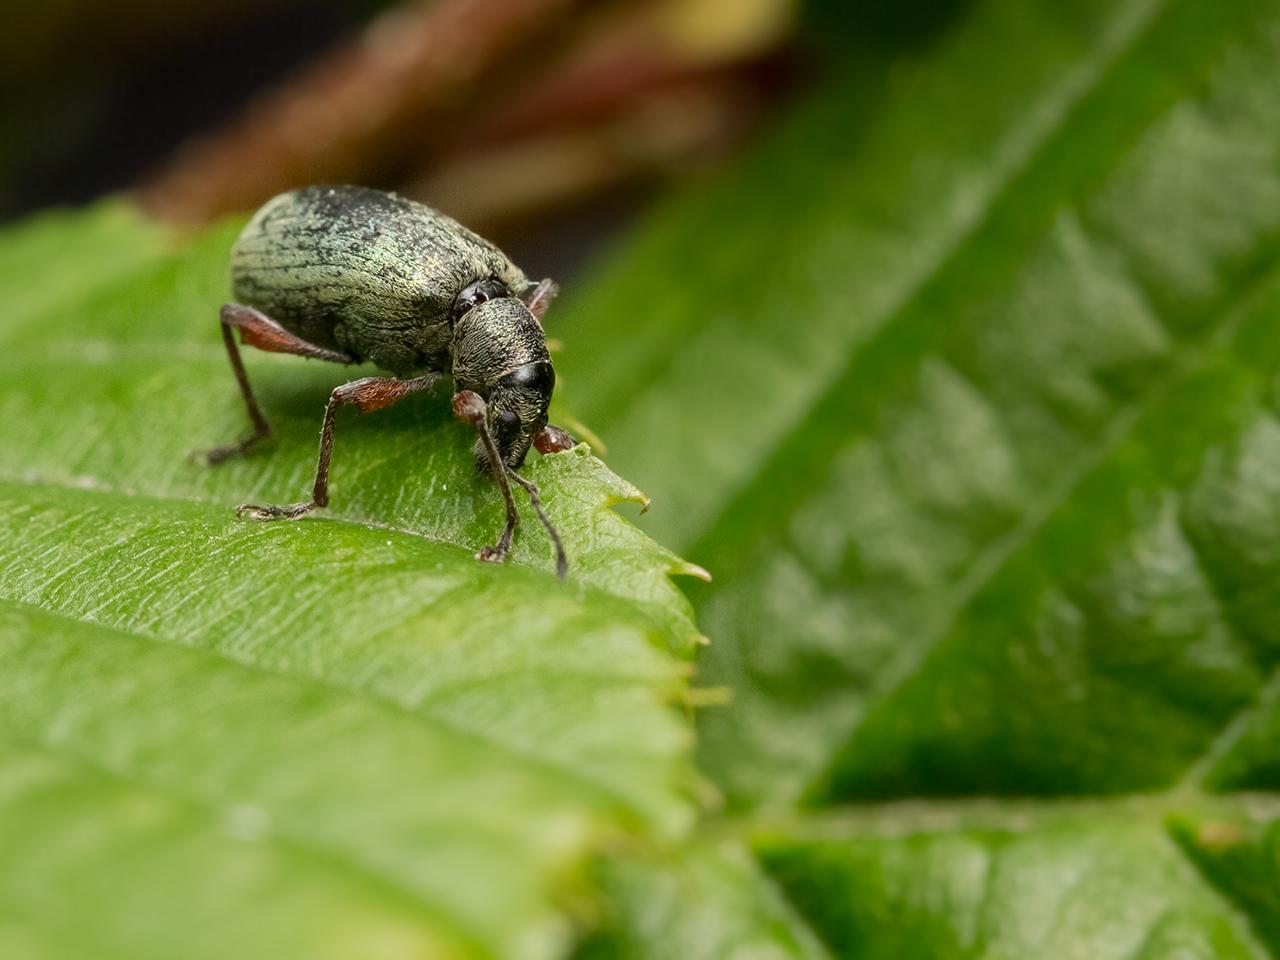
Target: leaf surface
{"x": 336, "y": 737}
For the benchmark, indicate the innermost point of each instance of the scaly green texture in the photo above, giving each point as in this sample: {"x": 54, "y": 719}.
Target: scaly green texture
{"x": 331, "y": 738}
{"x": 964, "y": 387}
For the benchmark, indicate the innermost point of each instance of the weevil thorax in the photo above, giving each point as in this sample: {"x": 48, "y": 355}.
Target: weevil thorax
{"x": 500, "y": 352}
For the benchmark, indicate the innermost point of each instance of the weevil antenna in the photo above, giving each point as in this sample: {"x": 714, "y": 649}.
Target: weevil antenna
{"x": 471, "y": 408}
{"x": 531, "y": 488}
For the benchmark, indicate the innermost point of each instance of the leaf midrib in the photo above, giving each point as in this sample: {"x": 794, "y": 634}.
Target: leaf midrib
{"x": 893, "y": 819}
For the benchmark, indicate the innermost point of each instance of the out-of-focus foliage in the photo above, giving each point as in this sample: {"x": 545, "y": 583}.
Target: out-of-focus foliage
{"x": 964, "y": 387}
{"x": 339, "y": 737}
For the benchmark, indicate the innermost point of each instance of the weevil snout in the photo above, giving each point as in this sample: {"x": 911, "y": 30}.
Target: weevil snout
{"x": 518, "y": 404}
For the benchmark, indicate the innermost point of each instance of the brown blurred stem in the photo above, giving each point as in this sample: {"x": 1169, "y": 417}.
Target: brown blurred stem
{"x": 632, "y": 96}
{"x": 354, "y": 109}
{"x": 672, "y": 127}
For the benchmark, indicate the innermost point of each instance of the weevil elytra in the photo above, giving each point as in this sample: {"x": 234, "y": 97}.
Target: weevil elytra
{"x": 348, "y": 275}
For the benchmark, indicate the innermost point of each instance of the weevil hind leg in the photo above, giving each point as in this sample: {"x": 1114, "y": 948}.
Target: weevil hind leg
{"x": 260, "y": 331}
{"x": 366, "y": 395}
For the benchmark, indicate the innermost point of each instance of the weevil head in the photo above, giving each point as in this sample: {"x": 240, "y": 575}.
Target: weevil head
{"x": 500, "y": 352}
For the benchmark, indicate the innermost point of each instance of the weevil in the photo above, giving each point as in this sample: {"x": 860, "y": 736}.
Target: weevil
{"x": 351, "y": 274}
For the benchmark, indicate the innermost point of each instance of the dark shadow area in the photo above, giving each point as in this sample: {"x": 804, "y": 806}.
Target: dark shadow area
{"x": 118, "y": 115}
{"x": 886, "y": 25}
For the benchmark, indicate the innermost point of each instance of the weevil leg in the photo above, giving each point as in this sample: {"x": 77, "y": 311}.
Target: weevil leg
{"x": 553, "y": 439}
{"x": 367, "y": 395}
{"x": 538, "y": 298}
{"x": 257, "y": 330}
{"x": 470, "y": 408}
{"x": 531, "y": 488}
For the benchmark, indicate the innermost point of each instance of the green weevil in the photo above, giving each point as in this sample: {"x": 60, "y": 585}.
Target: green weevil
{"x": 350, "y": 274}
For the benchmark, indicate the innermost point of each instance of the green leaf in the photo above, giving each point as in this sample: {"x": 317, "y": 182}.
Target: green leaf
{"x": 964, "y": 388}
{"x": 1103, "y": 883}
{"x": 336, "y": 737}
{"x": 1242, "y": 859}
{"x": 709, "y": 901}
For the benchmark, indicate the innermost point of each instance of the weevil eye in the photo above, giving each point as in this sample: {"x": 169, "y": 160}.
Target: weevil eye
{"x": 538, "y": 375}
{"x": 474, "y": 294}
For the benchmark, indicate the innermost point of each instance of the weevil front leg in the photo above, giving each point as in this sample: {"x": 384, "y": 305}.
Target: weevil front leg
{"x": 367, "y": 395}
{"x": 257, "y": 330}
{"x": 469, "y": 407}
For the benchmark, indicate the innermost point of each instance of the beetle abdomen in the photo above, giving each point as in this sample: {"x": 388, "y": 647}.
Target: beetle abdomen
{"x": 362, "y": 271}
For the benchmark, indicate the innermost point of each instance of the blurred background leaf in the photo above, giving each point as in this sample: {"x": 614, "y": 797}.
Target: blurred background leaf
{"x": 963, "y": 386}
